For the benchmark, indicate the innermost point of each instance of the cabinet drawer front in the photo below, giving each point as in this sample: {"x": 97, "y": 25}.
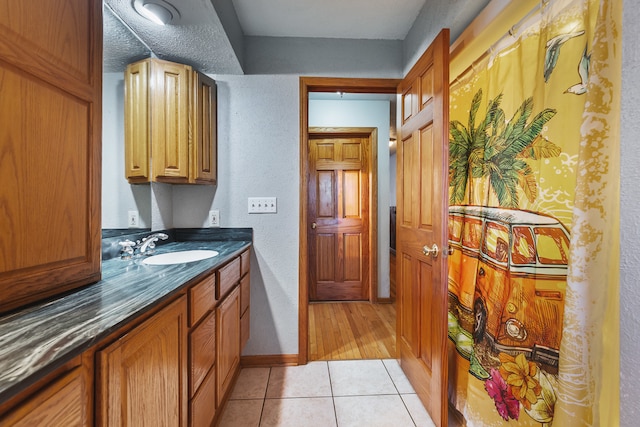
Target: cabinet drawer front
{"x": 202, "y": 354}
{"x": 228, "y": 276}
{"x": 203, "y": 406}
{"x": 245, "y": 259}
{"x": 202, "y": 298}
{"x": 245, "y": 294}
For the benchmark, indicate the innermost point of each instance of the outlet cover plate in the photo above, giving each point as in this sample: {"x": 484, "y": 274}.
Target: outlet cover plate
{"x": 214, "y": 218}
{"x": 133, "y": 219}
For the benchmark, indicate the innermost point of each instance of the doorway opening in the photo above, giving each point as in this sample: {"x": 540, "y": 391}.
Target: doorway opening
{"x": 349, "y": 313}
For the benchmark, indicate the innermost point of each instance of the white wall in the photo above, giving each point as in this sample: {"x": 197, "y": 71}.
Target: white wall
{"x": 258, "y": 155}
{"x": 323, "y": 57}
{"x": 630, "y": 219}
{"x": 392, "y": 179}
{"x": 118, "y": 197}
{"x": 352, "y": 113}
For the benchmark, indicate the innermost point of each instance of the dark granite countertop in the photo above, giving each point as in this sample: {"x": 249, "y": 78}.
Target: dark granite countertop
{"x": 41, "y": 338}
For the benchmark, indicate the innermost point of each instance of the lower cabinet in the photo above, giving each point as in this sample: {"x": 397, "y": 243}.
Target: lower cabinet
{"x": 64, "y": 403}
{"x": 176, "y": 368}
{"x": 143, "y": 375}
{"x": 228, "y": 337}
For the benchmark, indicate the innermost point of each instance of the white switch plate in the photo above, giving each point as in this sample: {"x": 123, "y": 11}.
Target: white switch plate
{"x": 132, "y": 219}
{"x": 214, "y": 218}
{"x": 262, "y": 205}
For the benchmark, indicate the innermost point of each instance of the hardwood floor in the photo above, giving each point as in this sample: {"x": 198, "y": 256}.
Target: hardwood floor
{"x": 352, "y": 330}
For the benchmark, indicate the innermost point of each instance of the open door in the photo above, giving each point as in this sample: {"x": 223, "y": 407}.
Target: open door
{"x": 421, "y": 259}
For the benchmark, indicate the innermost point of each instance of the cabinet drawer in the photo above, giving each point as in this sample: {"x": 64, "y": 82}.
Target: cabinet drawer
{"x": 228, "y": 276}
{"x": 245, "y": 329}
{"x": 202, "y": 298}
{"x": 202, "y": 354}
{"x": 245, "y": 294}
{"x": 245, "y": 262}
{"x": 203, "y": 405}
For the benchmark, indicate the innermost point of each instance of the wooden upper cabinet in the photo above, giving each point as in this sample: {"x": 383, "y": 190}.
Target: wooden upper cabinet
{"x": 204, "y": 120}
{"x": 170, "y": 118}
{"x": 50, "y": 147}
{"x": 169, "y": 106}
{"x": 137, "y": 154}
{"x": 143, "y": 376}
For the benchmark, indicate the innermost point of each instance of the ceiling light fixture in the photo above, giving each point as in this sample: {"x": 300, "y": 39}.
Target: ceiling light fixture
{"x": 157, "y": 11}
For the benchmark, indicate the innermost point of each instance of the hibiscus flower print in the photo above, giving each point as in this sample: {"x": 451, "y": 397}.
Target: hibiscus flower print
{"x": 519, "y": 373}
{"x": 499, "y": 391}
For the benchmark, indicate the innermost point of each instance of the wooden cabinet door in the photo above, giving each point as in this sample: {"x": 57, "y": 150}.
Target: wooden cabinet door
{"x": 143, "y": 376}
{"x": 202, "y": 355}
{"x": 422, "y": 158}
{"x": 64, "y": 403}
{"x": 204, "y": 147}
{"x": 137, "y": 152}
{"x": 228, "y": 342}
{"x": 169, "y": 101}
{"x": 50, "y": 147}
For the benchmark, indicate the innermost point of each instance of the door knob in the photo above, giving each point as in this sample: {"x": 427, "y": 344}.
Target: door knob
{"x": 314, "y": 225}
{"x": 431, "y": 251}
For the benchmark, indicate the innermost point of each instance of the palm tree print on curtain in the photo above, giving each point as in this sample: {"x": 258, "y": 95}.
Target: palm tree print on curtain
{"x": 498, "y": 149}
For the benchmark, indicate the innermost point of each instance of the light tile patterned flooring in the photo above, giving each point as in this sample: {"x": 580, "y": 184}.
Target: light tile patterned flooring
{"x": 341, "y": 393}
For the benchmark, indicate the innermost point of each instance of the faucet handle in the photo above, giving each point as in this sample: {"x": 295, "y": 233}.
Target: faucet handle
{"x": 127, "y": 249}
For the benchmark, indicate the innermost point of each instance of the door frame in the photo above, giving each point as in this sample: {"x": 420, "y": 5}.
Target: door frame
{"x": 320, "y": 84}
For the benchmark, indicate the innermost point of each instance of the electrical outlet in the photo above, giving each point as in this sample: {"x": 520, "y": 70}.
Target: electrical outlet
{"x": 214, "y": 218}
{"x": 132, "y": 219}
{"x": 262, "y": 205}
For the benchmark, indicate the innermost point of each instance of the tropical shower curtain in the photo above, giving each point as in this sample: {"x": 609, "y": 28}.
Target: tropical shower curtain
{"x": 533, "y": 222}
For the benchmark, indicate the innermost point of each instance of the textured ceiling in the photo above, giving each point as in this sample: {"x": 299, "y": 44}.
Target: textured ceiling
{"x": 121, "y": 47}
{"x": 210, "y": 33}
{"x": 199, "y": 40}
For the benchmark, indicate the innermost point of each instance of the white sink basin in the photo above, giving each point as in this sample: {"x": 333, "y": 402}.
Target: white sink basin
{"x": 180, "y": 257}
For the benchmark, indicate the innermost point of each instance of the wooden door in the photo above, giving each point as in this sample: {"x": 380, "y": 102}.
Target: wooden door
{"x": 339, "y": 206}
{"x": 50, "y": 148}
{"x": 422, "y": 167}
{"x": 143, "y": 375}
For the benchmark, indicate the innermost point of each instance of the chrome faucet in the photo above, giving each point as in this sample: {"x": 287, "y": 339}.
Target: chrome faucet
{"x": 149, "y": 242}
{"x": 143, "y": 247}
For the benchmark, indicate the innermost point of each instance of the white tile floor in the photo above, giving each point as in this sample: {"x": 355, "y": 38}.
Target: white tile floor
{"x": 351, "y": 393}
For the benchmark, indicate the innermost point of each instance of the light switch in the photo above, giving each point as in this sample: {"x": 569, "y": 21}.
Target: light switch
{"x": 262, "y": 205}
